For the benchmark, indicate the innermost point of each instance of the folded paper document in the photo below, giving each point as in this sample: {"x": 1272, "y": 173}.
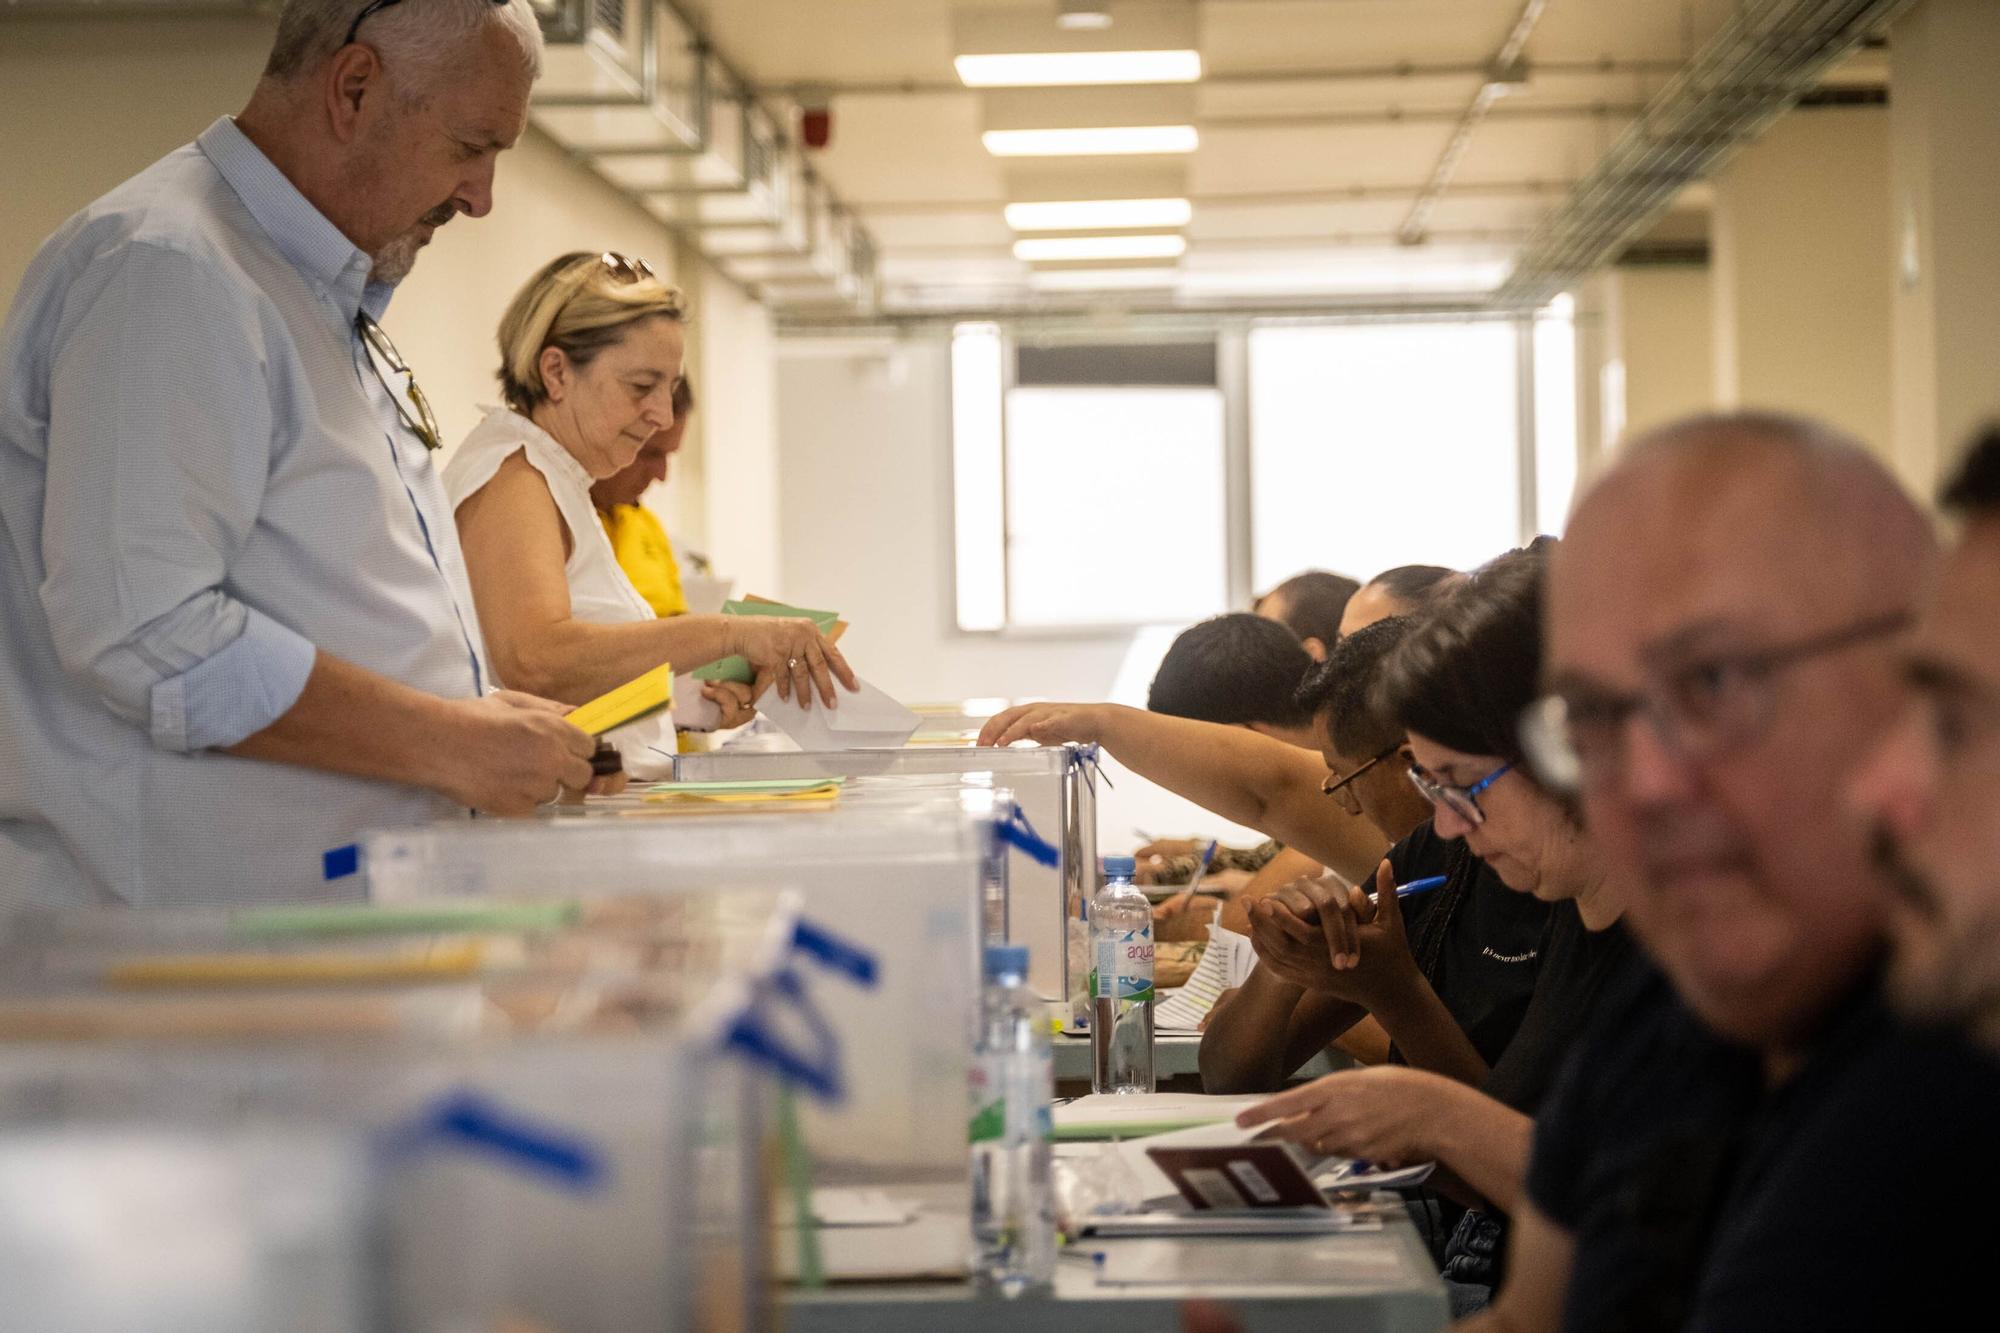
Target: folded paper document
{"x": 1226, "y": 962}
{"x": 1231, "y": 1167}
{"x": 867, "y": 719}
{"x": 639, "y": 697}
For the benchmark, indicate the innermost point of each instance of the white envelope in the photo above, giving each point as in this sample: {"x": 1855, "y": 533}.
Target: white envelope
{"x": 867, "y": 719}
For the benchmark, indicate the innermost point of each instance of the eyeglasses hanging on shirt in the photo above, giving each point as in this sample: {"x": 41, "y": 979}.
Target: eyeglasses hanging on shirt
{"x": 411, "y": 405}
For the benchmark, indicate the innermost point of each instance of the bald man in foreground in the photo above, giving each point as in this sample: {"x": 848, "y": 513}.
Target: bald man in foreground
{"x": 1748, "y": 1140}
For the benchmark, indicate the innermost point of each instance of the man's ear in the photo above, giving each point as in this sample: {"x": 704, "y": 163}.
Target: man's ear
{"x": 352, "y": 75}
{"x": 1315, "y": 648}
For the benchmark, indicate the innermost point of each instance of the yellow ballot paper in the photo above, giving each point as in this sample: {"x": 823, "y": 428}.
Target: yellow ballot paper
{"x": 822, "y": 791}
{"x": 639, "y": 697}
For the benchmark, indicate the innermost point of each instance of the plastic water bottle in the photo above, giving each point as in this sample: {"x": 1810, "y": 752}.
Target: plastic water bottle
{"x": 1121, "y": 951}
{"x": 1013, "y": 1077}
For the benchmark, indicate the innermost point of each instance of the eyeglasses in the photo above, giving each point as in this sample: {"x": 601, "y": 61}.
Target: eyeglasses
{"x": 1699, "y": 709}
{"x": 424, "y": 425}
{"x": 1337, "y": 787}
{"x": 1461, "y": 801}
{"x": 374, "y": 6}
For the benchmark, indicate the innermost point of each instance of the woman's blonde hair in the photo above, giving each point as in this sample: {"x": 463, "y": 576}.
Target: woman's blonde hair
{"x": 580, "y": 303}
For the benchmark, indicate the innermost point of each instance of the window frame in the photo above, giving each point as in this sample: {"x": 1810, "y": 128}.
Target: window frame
{"x": 1232, "y": 342}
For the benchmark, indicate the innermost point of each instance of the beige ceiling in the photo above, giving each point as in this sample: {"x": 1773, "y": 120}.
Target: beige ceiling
{"x": 1314, "y": 146}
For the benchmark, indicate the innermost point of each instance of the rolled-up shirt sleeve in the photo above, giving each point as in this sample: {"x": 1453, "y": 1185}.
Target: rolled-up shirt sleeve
{"x": 160, "y": 443}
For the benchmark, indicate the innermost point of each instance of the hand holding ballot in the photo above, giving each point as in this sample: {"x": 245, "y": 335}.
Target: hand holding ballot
{"x": 509, "y": 752}
{"x": 793, "y": 654}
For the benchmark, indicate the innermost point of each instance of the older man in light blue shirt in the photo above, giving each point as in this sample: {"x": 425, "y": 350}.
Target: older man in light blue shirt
{"x": 238, "y": 627}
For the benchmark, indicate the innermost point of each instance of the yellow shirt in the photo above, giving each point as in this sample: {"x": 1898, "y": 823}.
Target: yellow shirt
{"x": 647, "y": 557}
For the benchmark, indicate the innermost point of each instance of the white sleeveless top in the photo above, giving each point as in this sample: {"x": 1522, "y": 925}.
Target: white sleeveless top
{"x": 599, "y": 591}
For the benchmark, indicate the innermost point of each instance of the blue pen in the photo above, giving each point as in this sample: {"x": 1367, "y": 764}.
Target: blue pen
{"x": 1417, "y": 886}
{"x": 1182, "y": 898}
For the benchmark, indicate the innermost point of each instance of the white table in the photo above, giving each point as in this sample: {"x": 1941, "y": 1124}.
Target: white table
{"x": 1173, "y": 1056}
{"x": 1389, "y": 1285}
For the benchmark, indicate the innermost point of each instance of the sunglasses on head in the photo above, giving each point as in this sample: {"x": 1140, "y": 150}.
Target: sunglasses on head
{"x": 376, "y": 6}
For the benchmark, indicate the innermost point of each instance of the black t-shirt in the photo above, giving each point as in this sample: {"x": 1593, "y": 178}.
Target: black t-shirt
{"x": 1577, "y": 965}
{"x": 1700, "y": 1200}
{"x": 1479, "y": 943}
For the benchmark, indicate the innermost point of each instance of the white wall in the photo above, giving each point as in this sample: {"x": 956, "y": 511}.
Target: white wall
{"x": 1945, "y": 216}
{"x": 88, "y": 102}
{"x": 1801, "y": 257}
{"x": 737, "y": 412}
{"x": 865, "y": 505}
{"x": 1668, "y": 335}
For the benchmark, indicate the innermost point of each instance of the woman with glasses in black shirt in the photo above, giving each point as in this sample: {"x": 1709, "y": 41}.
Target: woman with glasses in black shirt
{"x": 1458, "y": 683}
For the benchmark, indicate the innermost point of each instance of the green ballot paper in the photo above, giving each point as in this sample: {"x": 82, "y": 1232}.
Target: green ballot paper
{"x": 738, "y": 668}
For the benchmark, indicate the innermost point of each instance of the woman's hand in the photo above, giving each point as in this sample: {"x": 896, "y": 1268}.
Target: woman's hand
{"x": 737, "y": 702}
{"x": 790, "y": 652}
{"x": 1312, "y": 935}
{"x": 1364, "y": 932}
{"x": 1389, "y": 1115}
{"x": 1046, "y": 724}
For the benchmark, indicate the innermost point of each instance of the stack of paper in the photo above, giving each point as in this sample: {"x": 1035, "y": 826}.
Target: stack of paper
{"x": 1305, "y": 1266}
{"x": 1131, "y": 1115}
{"x": 747, "y": 790}
{"x": 1225, "y": 963}
{"x": 746, "y": 795}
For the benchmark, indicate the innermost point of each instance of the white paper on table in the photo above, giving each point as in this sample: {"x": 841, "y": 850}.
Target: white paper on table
{"x": 1135, "y": 1114}
{"x": 867, "y": 719}
{"x": 837, "y": 1206}
{"x": 1226, "y": 962}
{"x": 1316, "y": 1263}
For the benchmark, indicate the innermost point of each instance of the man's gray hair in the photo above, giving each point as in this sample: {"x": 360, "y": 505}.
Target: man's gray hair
{"x": 426, "y": 34}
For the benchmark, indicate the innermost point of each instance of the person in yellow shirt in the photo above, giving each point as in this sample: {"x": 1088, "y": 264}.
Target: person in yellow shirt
{"x": 638, "y": 538}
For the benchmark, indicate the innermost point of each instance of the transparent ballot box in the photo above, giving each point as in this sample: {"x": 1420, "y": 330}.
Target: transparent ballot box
{"x": 1057, "y": 793}
{"x": 271, "y": 1119}
{"x": 895, "y": 884}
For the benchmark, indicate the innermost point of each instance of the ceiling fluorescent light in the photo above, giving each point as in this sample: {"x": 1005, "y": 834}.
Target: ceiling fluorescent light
{"x": 1047, "y": 69}
{"x": 1083, "y": 15}
{"x": 1057, "y": 248}
{"x": 1102, "y": 279}
{"x": 1092, "y": 142}
{"x": 1097, "y": 214}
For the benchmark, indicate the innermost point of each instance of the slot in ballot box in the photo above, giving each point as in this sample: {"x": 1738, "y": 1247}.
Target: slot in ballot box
{"x": 1057, "y": 793}
{"x": 900, "y": 880}
{"x": 352, "y": 1119}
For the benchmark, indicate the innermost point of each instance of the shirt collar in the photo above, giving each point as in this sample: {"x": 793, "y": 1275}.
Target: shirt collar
{"x": 303, "y": 235}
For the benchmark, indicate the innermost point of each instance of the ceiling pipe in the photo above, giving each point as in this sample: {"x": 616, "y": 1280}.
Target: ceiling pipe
{"x": 1764, "y": 58}
{"x": 1506, "y": 69}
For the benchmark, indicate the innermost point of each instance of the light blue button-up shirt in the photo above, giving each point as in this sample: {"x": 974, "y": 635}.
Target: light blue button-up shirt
{"x": 202, "y": 482}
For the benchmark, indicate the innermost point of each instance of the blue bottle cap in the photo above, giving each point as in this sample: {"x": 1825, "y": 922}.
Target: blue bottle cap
{"x": 1006, "y": 960}
{"x": 1120, "y": 867}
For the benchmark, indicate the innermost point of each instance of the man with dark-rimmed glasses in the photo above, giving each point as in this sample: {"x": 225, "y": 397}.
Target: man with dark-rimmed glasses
{"x": 239, "y": 628}
{"x": 1724, "y": 627}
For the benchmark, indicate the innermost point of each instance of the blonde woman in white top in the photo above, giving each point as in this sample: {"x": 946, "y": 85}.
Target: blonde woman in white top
{"x": 591, "y": 349}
